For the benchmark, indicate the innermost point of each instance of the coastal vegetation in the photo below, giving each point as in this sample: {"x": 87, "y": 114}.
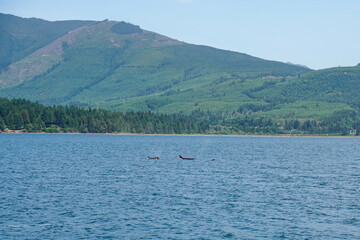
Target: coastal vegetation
{"x": 26, "y": 116}
{"x": 21, "y": 114}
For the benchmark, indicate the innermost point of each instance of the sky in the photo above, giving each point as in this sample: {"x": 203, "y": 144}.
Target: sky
{"x": 316, "y": 33}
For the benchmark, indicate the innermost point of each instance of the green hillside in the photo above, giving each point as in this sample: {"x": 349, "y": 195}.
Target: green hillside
{"x": 25, "y": 116}
{"x": 341, "y": 84}
{"x": 20, "y": 37}
{"x": 116, "y": 65}
{"x": 119, "y": 66}
{"x": 315, "y": 94}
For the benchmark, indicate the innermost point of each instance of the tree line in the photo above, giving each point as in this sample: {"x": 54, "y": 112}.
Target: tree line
{"x": 344, "y": 122}
{"x": 21, "y": 114}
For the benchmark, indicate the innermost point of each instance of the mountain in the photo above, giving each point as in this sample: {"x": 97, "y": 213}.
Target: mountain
{"x": 312, "y": 95}
{"x": 300, "y": 65}
{"x": 119, "y": 66}
{"x": 20, "y": 37}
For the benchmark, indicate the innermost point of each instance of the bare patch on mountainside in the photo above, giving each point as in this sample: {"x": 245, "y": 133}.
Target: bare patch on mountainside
{"x": 61, "y": 43}
{"x": 160, "y": 40}
{"x": 40, "y": 61}
{"x": 45, "y": 59}
{"x": 28, "y": 68}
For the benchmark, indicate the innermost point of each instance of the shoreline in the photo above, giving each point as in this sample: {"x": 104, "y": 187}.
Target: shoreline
{"x": 189, "y": 135}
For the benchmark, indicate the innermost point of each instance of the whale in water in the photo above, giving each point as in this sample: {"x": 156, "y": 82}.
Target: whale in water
{"x": 182, "y": 158}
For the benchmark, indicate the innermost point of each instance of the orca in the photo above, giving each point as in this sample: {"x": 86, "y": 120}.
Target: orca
{"x": 182, "y": 158}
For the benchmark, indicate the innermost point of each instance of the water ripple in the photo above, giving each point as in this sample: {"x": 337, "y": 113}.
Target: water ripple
{"x": 99, "y": 187}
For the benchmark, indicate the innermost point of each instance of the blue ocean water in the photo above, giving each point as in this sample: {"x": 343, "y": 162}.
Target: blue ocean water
{"x": 55, "y": 186}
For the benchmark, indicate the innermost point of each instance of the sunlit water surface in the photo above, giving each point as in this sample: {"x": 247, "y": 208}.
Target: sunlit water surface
{"x": 103, "y": 186}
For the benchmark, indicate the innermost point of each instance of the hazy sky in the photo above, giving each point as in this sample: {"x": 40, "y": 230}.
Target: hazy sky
{"x": 316, "y": 33}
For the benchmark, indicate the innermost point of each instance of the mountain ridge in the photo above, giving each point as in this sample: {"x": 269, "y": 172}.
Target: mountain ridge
{"x": 162, "y": 63}
{"x": 19, "y": 37}
{"x": 119, "y": 66}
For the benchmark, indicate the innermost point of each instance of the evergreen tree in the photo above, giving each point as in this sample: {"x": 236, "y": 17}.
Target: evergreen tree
{"x": 2, "y": 124}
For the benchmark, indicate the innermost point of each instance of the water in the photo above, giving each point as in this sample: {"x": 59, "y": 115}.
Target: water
{"x": 103, "y": 186}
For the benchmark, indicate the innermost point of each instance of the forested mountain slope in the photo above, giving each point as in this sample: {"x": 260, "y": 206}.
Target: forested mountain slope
{"x": 117, "y": 65}
{"x": 20, "y": 37}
